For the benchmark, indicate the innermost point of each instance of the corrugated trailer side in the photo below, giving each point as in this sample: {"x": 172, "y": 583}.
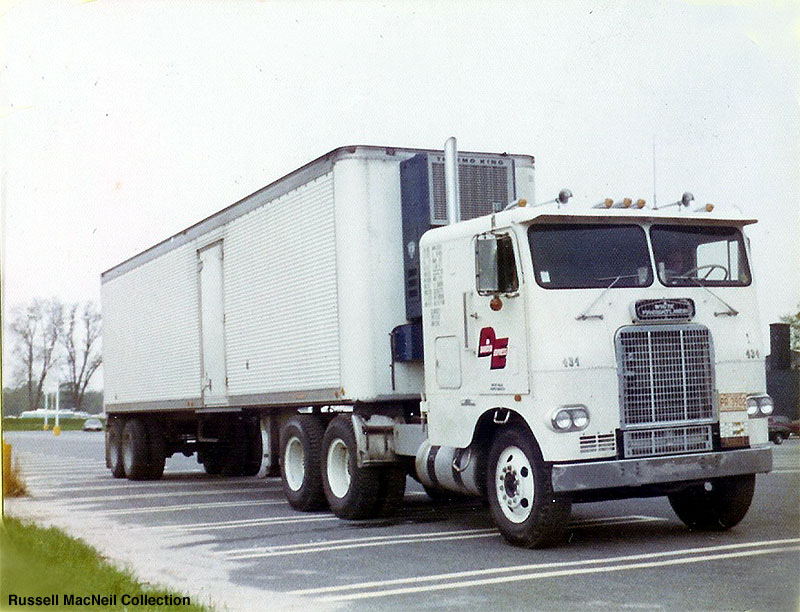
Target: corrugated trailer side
{"x": 288, "y": 299}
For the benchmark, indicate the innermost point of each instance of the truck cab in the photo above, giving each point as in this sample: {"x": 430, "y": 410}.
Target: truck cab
{"x": 596, "y": 354}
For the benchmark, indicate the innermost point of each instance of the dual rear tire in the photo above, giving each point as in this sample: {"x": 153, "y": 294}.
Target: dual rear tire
{"x": 319, "y": 467}
{"x": 135, "y": 448}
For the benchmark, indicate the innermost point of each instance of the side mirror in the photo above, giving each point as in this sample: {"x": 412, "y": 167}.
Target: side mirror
{"x": 486, "y": 264}
{"x": 495, "y": 267}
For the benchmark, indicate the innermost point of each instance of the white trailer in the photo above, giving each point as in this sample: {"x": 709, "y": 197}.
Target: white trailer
{"x": 534, "y": 355}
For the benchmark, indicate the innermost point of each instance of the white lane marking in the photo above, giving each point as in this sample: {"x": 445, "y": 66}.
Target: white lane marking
{"x": 540, "y": 566}
{"x": 397, "y": 540}
{"x": 276, "y": 520}
{"x": 118, "y": 511}
{"x": 558, "y": 573}
{"x": 785, "y": 471}
{"x": 161, "y": 484}
{"x": 148, "y": 495}
{"x": 244, "y": 553}
{"x": 58, "y": 463}
{"x": 459, "y": 534}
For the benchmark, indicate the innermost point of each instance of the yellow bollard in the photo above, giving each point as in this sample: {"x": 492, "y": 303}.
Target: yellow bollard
{"x": 6, "y": 461}
{"x": 56, "y": 431}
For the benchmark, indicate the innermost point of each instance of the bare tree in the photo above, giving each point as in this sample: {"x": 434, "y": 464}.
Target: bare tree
{"x": 37, "y": 329}
{"x": 82, "y": 356}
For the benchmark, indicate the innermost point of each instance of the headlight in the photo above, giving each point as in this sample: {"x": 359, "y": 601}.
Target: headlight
{"x": 570, "y": 418}
{"x": 562, "y": 420}
{"x": 759, "y": 406}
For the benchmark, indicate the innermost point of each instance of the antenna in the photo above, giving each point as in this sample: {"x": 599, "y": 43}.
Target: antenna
{"x": 655, "y": 203}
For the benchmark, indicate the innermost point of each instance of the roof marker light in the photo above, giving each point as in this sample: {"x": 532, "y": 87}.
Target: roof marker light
{"x": 640, "y": 203}
{"x": 608, "y": 202}
{"x": 626, "y": 203}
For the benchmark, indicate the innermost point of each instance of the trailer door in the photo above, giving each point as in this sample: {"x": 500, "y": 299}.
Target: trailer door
{"x": 214, "y": 386}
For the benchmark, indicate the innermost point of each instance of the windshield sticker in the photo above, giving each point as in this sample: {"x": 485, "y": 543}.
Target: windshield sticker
{"x": 545, "y": 276}
{"x": 491, "y": 345}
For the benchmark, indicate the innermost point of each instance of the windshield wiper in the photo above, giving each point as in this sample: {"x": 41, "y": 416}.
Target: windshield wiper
{"x": 583, "y": 316}
{"x": 731, "y": 312}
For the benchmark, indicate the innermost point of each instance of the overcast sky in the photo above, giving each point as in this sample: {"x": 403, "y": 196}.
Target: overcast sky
{"x": 125, "y": 122}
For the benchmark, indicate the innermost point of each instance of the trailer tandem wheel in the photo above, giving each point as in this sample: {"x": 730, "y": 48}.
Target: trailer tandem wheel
{"x": 520, "y": 492}
{"x": 715, "y": 505}
{"x": 301, "y": 441}
{"x": 352, "y": 492}
{"x": 135, "y": 450}
{"x": 114, "y": 448}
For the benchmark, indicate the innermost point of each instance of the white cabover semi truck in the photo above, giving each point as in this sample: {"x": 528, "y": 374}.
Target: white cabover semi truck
{"x": 383, "y": 311}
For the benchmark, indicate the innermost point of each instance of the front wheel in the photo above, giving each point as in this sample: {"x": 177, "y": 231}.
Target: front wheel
{"x": 716, "y": 505}
{"x": 778, "y": 438}
{"x": 520, "y": 492}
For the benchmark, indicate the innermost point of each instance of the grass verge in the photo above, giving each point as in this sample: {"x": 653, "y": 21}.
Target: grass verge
{"x": 38, "y": 424}
{"x": 39, "y": 562}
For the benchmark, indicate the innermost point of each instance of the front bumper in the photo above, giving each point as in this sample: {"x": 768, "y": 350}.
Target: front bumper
{"x": 572, "y": 477}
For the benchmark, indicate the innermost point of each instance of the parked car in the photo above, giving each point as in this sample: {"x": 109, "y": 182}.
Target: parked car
{"x": 781, "y": 427}
{"x": 92, "y": 425}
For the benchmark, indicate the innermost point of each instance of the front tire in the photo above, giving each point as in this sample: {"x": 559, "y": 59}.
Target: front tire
{"x": 520, "y": 493}
{"x": 716, "y": 505}
{"x": 301, "y": 441}
{"x": 352, "y": 492}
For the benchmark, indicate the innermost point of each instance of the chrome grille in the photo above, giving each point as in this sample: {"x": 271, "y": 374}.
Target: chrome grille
{"x": 642, "y": 443}
{"x": 666, "y": 374}
{"x": 598, "y": 443}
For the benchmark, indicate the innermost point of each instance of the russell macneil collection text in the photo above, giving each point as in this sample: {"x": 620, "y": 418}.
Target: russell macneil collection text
{"x": 66, "y": 599}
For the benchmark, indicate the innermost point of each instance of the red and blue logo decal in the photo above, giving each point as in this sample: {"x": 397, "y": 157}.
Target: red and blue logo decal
{"x": 490, "y": 345}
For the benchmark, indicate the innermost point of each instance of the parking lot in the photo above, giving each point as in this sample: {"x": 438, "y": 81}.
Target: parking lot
{"x": 235, "y": 542}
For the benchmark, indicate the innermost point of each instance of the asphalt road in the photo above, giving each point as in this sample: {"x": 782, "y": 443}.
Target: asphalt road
{"x": 631, "y": 554}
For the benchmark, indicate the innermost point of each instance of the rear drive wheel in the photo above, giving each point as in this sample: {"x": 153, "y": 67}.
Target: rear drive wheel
{"x": 715, "y": 505}
{"x": 135, "y": 450}
{"x": 391, "y": 490}
{"x": 301, "y": 440}
{"x": 254, "y": 450}
{"x": 114, "y": 448}
{"x": 352, "y": 492}
{"x": 157, "y": 447}
{"x": 520, "y": 492}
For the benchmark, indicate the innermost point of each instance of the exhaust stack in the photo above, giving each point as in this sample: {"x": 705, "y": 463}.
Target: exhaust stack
{"x": 451, "y": 181}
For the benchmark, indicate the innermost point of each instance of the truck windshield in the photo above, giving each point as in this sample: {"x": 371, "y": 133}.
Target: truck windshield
{"x": 692, "y": 255}
{"x": 577, "y": 256}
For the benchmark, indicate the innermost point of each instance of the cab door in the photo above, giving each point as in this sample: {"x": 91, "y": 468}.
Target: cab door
{"x": 494, "y": 315}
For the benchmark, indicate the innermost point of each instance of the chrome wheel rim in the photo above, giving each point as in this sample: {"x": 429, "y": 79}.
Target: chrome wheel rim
{"x": 294, "y": 461}
{"x": 338, "y": 468}
{"x": 514, "y": 484}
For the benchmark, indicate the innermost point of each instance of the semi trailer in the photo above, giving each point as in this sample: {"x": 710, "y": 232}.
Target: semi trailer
{"x": 389, "y": 312}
